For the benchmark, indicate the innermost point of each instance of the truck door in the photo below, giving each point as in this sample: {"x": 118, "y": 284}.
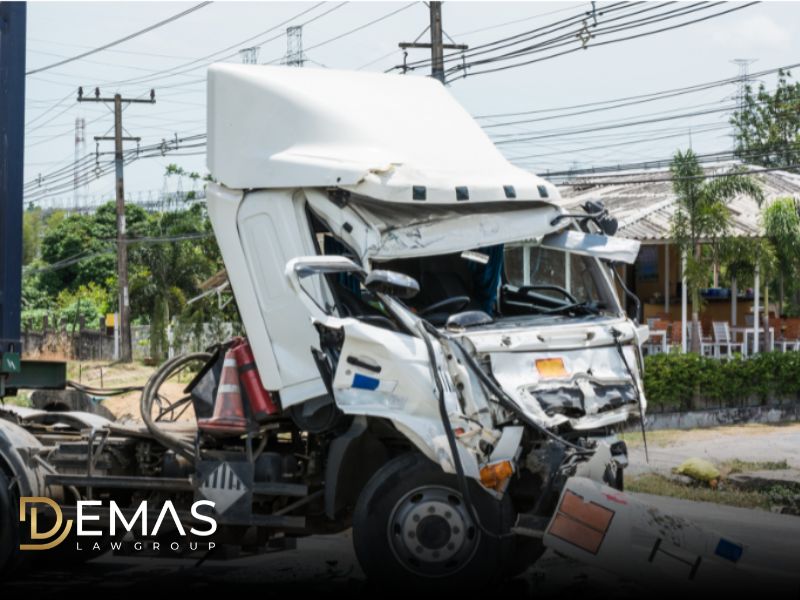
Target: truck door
{"x": 273, "y": 228}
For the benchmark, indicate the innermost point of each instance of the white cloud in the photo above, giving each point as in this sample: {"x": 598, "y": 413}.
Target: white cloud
{"x": 759, "y": 31}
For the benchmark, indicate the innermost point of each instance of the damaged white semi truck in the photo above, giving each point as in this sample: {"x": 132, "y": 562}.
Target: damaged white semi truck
{"x": 441, "y": 345}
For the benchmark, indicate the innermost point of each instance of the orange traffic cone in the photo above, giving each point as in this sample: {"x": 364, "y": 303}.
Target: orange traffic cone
{"x": 228, "y": 417}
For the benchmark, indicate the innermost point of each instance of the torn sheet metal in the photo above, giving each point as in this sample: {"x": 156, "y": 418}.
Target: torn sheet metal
{"x": 593, "y": 391}
{"x": 605, "y": 247}
{"x": 381, "y": 231}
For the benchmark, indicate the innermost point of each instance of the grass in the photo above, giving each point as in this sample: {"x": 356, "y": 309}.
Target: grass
{"x": 659, "y": 485}
{"x": 109, "y": 373}
{"x": 744, "y": 466}
{"x": 660, "y": 437}
{"x": 662, "y": 485}
{"x": 21, "y": 399}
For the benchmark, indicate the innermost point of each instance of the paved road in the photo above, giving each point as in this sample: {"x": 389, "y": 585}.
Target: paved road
{"x": 323, "y": 564}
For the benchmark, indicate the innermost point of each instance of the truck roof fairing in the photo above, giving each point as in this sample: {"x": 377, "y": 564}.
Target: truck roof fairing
{"x": 386, "y": 137}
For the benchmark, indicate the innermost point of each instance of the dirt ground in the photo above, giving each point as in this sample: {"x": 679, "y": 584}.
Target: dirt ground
{"x": 116, "y": 375}
{"x": 757, "y": 442}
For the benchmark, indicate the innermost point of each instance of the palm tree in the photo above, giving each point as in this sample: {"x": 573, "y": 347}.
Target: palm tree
{"x": 165, "y": 274}
{"x": 782, "y": 228}
{"x": 703, "y": 217}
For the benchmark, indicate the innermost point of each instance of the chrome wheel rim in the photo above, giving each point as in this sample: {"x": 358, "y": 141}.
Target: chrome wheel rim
{"x": 431, "y": 532}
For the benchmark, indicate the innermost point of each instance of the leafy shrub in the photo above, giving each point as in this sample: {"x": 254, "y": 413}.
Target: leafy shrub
{"x": 678, "y": 380}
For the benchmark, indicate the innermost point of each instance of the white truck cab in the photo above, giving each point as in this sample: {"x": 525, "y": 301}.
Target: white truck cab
{"x": 391, "y": 265}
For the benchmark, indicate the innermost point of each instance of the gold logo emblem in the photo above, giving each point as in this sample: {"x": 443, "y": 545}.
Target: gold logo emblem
{"x": 43, "y": 535}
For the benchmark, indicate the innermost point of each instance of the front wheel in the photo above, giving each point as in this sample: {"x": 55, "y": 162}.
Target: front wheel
{"x": 413, "y": 529}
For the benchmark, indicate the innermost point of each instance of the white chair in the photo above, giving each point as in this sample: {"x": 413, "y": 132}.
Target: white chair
{"x": 723, "y": 340}
{"x": 657, "y": 343}
{"x": 706, "y": 343}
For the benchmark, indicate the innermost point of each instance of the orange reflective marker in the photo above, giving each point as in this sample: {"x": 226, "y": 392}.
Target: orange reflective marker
{"x": 551, "y": 367}
{"x": 583, "y": 524}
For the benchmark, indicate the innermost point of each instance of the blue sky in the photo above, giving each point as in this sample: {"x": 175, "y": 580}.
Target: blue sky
{"x": 698, "y": 53}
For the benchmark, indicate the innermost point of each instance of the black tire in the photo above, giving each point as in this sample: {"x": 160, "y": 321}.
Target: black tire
{"x": 412, "y": 530}
{"x": 10, "y": 555}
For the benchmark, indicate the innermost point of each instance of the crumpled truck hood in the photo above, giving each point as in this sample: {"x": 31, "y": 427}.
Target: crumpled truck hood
{"x": 593, "y": 390}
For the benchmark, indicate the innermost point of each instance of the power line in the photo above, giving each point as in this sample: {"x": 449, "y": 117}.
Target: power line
{"x": 517, "y": 21}
{"x": 586, "y": 32}
{"x": 618, "y": 144}
{"x": 116, "y": 50}
{"x": 81, "y": 256}
{"x": 474, "y": 31}
{"x": 594, "y": 182}
{"x": 617, "y": 125}
{"x": 589, "y": 44}
{"x": 719, "y": 156}
{"x": 215, "y": 56}
{"x": 520, "y": 37}
{"x": 119, "y": 41}
{"x": 363, "y": 26}
{"x": 489, "y": 126}
{"x": 654, "y": 95}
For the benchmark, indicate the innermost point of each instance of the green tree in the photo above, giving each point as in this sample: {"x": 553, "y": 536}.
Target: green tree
{"x": 767, "y": 128}
{"x": 703, "y": 218}
{"x": 782, "y": 228}
{"x": 32, "y": 227}
{"x": 167, "y": 270}
{"x": 80, "y": 249}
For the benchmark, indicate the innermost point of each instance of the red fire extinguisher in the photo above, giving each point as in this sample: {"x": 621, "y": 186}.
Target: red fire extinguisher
{"x": 262, "y": 405}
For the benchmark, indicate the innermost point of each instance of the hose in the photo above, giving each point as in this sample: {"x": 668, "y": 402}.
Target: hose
{"x": 152, "y": 386}
{"x": 617, "y": 335}
{"x": 103, "y": 392}
{"x": 463, "y": 484}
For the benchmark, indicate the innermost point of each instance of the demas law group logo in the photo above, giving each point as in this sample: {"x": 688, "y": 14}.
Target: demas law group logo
{"x": 88, "y": 523}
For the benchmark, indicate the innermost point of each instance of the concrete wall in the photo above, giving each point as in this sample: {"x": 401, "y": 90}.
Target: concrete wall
{"x": 720, "y": 416}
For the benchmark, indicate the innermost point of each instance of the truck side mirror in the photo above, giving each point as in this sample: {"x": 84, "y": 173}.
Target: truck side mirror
{"x": 392, "y": 283}
{"x": 595, "y": 211}
{"x": 607, "y": 224}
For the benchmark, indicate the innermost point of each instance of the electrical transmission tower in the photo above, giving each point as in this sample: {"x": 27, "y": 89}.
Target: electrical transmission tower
{"x": 125, "y": 347}
{"x": 436, "y": 44}
{"x": 294, "y": 46}
{"x": 250, "y": 55}
{"x": 741, "y": 88}
{"x": 79, "y": 175}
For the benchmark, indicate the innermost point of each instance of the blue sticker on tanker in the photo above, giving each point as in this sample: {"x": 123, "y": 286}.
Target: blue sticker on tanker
{"x": 364, "y": 382}
{"x": 729, "y": 550}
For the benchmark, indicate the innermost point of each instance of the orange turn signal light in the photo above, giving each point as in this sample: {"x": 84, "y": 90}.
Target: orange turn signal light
{"x": 495, "y": 475}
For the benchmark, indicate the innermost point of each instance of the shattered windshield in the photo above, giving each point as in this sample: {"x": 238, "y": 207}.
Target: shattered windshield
{"x": 543, "y": 280}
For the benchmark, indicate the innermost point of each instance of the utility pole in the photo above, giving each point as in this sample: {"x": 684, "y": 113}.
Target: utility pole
{"x": 125, "y": 352}
{"x": 436, "y": 44}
